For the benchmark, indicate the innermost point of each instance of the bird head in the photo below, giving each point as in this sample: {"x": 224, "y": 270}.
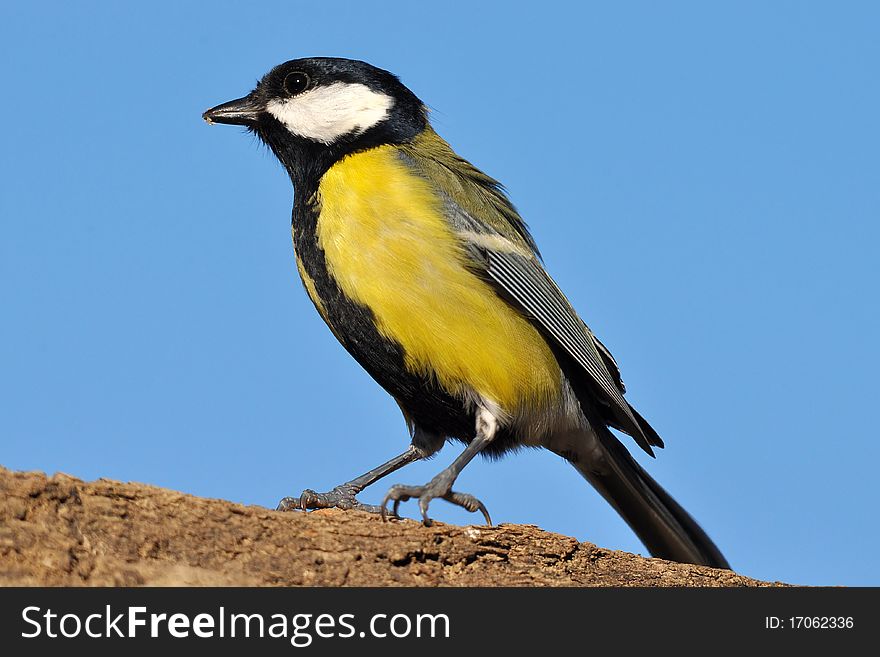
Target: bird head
{"x": 323, "y": 108}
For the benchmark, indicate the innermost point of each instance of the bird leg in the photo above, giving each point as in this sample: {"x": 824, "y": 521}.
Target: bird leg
{"x": 441, "y": 485}
{"x": 343, "y": 496}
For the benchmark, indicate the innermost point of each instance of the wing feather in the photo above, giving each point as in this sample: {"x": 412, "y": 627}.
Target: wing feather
{"x": 505, "y": 254}
{"x": 524, "y": 281}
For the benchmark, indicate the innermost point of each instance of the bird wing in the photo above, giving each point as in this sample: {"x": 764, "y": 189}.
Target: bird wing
{"x": 525, "y": 283}
{"x": 504, "y": 254}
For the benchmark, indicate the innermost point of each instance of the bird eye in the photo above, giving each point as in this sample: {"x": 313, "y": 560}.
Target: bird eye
{"x": 296, "y": 82}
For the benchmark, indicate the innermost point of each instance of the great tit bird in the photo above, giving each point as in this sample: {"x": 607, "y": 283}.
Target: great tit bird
{"x": 425, "y": 272}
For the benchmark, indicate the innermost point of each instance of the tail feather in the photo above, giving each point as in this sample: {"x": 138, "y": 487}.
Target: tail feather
{"x": 666, "y": 529}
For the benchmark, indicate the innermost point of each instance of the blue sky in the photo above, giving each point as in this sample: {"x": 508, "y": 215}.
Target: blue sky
{"x": 702, "y": 179}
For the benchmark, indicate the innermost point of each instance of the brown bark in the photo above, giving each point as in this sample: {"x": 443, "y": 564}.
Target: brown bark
{"x": 62, "y": 531}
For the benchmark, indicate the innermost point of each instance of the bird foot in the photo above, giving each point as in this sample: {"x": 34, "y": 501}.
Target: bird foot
{"x": 438, "y": 487}
{"x": 341, "y": 497}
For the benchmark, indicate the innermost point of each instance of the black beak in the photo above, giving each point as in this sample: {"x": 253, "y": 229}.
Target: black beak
{"x": 243, "y": 111}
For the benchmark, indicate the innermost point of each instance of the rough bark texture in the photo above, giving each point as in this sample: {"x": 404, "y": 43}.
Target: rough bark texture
{"x": 62, "y": 531}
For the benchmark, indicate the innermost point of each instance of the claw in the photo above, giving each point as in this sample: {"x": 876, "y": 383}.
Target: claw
{"x": 423, "y": 506}
{"x": 470, "y": 503}
{"x": 383, "y": 511}
{"x": 398, "y": 494}
{"x": 287, "y": 504}
{"x": 341, "y": 497}
{"x": 425, "y": 494}
{"x": 308, "y": 499}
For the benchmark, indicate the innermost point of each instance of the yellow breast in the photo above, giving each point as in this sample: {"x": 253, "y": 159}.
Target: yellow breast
{"x": 389, "y": 247}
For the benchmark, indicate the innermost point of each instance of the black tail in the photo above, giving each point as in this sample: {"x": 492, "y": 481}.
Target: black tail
{"x": 666, "y": 529}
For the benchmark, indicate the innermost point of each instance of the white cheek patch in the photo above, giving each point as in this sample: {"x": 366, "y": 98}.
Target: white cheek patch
{"x": 324, "y": 114}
